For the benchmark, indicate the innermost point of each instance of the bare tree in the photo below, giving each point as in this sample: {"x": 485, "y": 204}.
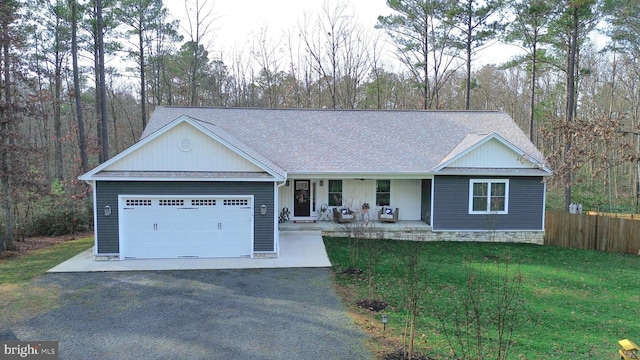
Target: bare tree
{"x": 413, "y": 269}
{"x": 269, "y": 58}
{"x": 485, "y": 304}
{"x": 200, "y": 20}
{"x": 336, "y": 49}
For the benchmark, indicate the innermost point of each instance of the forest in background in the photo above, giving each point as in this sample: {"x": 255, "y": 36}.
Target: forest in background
{"x": 78, "y": 80}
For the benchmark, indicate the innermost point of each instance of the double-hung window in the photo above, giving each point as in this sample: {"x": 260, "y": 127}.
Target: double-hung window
{"x": 335, "y": 192}
{"x": 487, "y": 196}
{"x": 383, "y": 192}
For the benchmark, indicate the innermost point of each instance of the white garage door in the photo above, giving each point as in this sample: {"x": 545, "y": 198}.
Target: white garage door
{"x": 153, "y": 227}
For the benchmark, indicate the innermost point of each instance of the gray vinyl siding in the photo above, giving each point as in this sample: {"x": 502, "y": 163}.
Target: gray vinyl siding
{"x": 107, "y": 194}
{"x": 451, "y": 205}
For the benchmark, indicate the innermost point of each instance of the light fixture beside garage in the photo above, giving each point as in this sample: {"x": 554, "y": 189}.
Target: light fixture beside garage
{"x": 263, "y": 209}
{"x": 185, "y": 144}
{"x": 107, "y": 210}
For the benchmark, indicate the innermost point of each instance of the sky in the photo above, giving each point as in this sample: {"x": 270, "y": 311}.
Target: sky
{"x": 236, "y": 21}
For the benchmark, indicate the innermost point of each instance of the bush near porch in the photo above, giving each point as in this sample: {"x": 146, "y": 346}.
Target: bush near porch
{"x": 575, "y": 303}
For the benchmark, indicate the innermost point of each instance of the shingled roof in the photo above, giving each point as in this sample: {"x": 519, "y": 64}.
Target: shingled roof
{"x": 352, "y": 141}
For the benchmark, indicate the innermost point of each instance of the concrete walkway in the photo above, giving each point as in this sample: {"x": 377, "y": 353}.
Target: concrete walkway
{"x": 298, "y": 249}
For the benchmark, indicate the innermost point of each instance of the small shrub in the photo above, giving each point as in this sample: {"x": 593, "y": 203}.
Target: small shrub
{"x": 59, "y": 220}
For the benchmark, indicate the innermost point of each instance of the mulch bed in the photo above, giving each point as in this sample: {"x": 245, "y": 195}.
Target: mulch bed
{"x": 398, "y": 355}
{"x": 352, "y": 271}
{"x": 34, "y": 243}
{"x": 372, "y": 305}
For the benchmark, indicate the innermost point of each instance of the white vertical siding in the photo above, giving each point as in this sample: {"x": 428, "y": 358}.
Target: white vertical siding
{"x": 322, "y": 193}
{"x": 164, "y": 154}
{"x": 406, "y": 196}
{"x": 490, "y": 155}
{"x": 355, "y": 192}
{"x": 285, "y": 197}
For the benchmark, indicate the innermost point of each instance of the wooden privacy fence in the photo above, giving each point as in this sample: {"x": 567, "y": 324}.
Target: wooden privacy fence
{"x": 616, "y": 215}
{"x": 592, "y": 232}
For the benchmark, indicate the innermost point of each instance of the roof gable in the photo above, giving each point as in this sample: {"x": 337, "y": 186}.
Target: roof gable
{"x": 183, "y": 148}
{"x": 487, "y": 151}
{"x": 184, "y": 145}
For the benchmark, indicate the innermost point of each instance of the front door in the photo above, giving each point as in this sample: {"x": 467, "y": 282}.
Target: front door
{"x": 301, "y": 198}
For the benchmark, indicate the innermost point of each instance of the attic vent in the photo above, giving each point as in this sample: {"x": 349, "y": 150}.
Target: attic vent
{"x": 185, "y": 144}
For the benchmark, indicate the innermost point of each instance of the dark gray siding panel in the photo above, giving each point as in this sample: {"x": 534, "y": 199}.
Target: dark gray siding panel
{"x": 451, "y": 205}
{"x": 107, "y": 194}
{"x": 107, "y": 231}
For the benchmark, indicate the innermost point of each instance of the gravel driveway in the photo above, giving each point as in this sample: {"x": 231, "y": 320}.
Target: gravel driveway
{"x": 208, "y": 314}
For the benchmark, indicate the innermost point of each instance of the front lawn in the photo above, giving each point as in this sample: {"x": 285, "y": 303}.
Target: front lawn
{"x": 20, "y": 297}
{"x": 574, "y": 304}
{"x": 20, "y": 269}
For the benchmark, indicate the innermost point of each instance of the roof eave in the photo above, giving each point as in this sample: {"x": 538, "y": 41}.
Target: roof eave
{"x": 359, "y": 174}
{"x": 516, "y": 172}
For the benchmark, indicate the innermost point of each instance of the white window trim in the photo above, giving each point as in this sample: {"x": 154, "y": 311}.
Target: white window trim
{"x": 341, "y": 192}
{"x": 489, "y": 182}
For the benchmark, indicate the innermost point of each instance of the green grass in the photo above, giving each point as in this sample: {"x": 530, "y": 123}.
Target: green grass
{"x": 21, "y": 298}
{"x": 19, "y": 269}
{"x": 576, "y": 304}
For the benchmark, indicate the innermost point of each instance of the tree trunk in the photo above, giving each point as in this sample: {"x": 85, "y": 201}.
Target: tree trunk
{"x": 534, "y": 69}
{"x": 425, "y": 53}
{"x": 57, "y": 105}
{"x": 193, "y": 75}
{"x": 412, "y": 330}
{"x": 5, "y": 170}
{"x": 143, "y": 83}
{"x": 102, "y": 85}
{"x": 96, "y": 71}
{"x": 467, "y": 95}
{"x": 82, "y": 141}
{"x": 571, "y": 97}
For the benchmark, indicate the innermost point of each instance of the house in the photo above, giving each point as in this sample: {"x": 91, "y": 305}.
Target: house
{"x": 212, "y": 182}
